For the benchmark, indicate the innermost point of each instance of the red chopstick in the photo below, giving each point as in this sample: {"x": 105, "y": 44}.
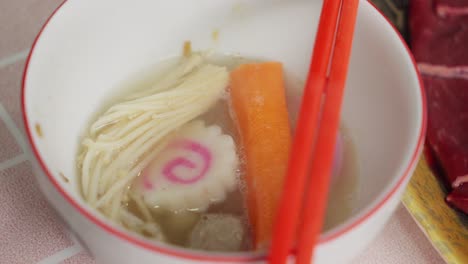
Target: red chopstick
{"x": 322, "y": 159}
{"x": 284, "y": 233}
{"x": 284, "y": 229}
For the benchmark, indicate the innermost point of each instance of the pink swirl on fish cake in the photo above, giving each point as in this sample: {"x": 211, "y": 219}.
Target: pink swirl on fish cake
{"x": 202, "y": 151}
{"x": 169, "y": 169}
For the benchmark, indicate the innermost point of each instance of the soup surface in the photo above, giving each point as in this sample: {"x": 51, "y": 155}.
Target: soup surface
{"x": 126, "y": 194}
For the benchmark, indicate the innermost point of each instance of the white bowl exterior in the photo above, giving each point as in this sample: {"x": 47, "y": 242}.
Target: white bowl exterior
{"x": 109, "y": 249}
{"x": 80, "y": 57}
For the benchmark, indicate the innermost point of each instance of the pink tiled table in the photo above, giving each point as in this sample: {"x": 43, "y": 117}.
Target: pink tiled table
{"x": 29, "y": 229}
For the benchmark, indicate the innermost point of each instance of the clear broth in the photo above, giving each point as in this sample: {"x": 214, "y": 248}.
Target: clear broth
{"x": 177, "y": 226}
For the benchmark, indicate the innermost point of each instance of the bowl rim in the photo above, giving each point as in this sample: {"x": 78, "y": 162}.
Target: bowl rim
{"x": 190, "y": 255}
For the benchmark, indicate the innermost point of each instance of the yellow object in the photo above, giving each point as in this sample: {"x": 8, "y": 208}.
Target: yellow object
{"x": 447, "y": 229}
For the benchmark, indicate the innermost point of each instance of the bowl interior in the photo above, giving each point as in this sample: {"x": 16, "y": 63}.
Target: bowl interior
{"x": 81, "y": 58}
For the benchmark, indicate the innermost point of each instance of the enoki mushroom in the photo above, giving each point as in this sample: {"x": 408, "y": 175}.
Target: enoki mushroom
{"x": 123, "y": 140}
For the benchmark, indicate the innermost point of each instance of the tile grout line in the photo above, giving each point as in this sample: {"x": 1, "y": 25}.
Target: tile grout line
{"x": 61, "y": 255}
{"x": 14, "y": 58}
{"x": 72, "y": 237}
{"x": 13, "y": 161}
{"x": 14, "y": 130}
{"x": 18, "y": 135}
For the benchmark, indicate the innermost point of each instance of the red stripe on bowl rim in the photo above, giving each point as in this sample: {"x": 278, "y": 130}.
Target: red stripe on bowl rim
{"x": 180, "y": 253}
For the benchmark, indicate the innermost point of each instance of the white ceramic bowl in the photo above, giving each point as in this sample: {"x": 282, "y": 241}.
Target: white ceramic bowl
{"x": 88, "y": 48}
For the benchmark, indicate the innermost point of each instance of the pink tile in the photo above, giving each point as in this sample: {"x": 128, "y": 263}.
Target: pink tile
{"x": 80, "y": 258}
{"x": 10, "y": 83}
{"x": 20, "y": 21}
{"x": 29, "y": 228}
{"x": 401, "y": 242}
{"x": 9, "y": 148}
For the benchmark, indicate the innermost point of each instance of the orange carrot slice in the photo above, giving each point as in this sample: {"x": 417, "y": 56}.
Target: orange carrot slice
{"x": 259, "y": 104}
